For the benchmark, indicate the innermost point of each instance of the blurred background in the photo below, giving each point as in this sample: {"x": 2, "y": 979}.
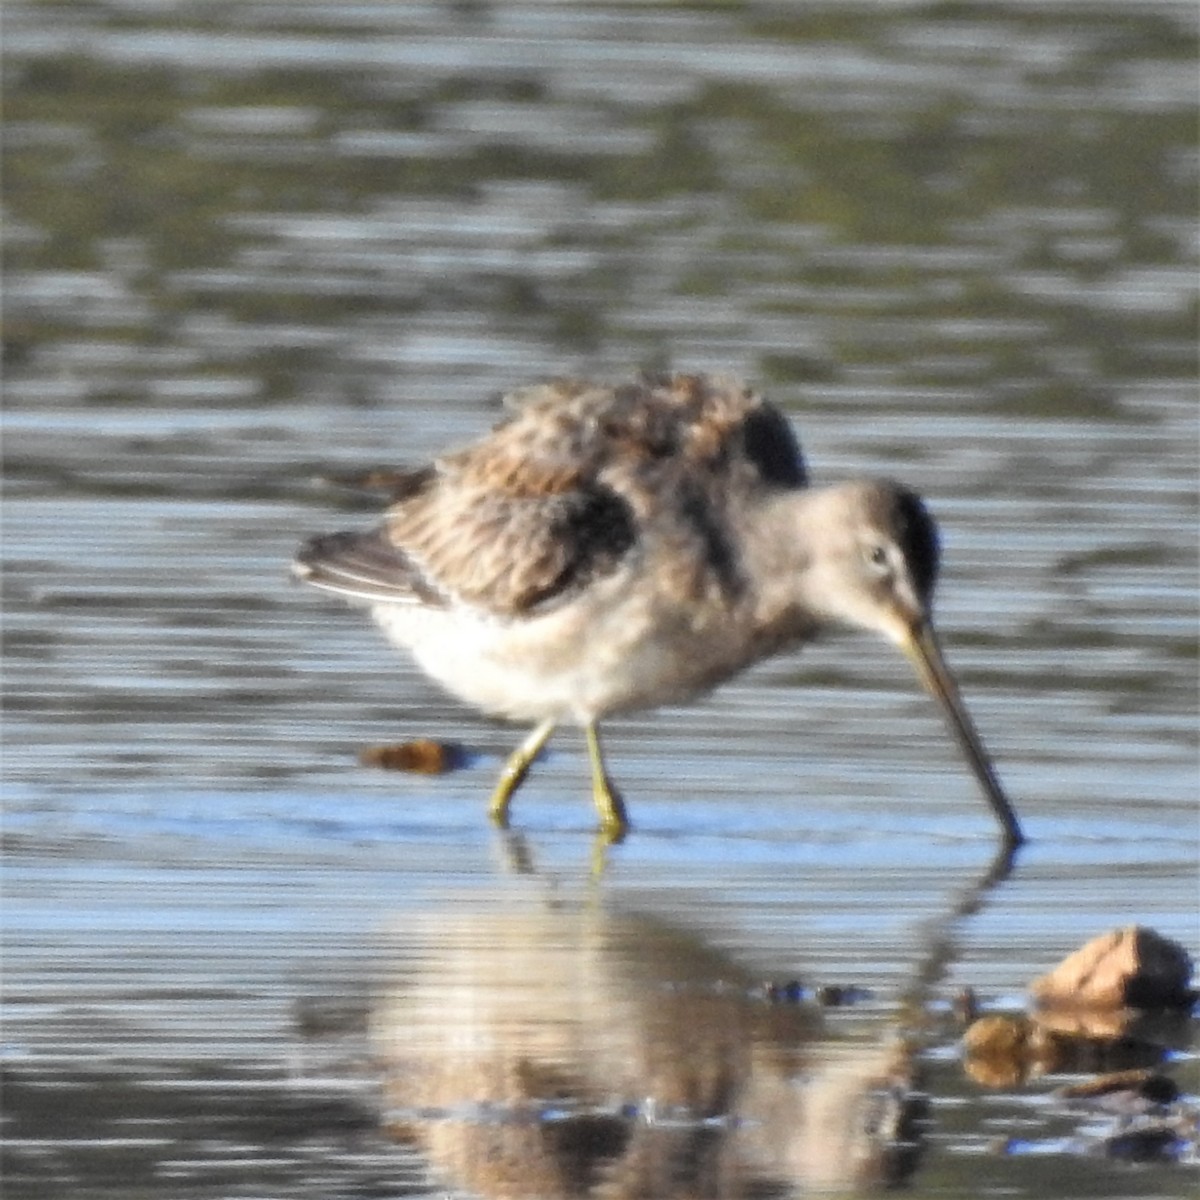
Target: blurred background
{"x": 251, "y": 244}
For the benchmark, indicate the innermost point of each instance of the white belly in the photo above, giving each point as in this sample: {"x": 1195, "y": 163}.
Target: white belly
{"x": 609, "y": 653}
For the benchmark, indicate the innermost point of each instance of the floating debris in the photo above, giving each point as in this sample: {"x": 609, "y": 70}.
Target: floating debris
{"x": 827, "y": 995}
{"x": 791, "y": 992}
{"x": 423, "y": 756}
{"x": 1162, "y": 1141}
{"x": 835, "y": 995}
{"x": 1115, "y": 1007}
{"x": 1132, "y": 1089}
{"x": 1127, "y": 968}
{"x": 1004, "y": 1050}
{"x": 1000, "y": 1051}
{"x": 965, "y": 1007}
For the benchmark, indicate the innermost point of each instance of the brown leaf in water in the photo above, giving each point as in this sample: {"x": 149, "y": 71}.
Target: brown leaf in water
{"x": 423, "y": 756}
{"x": 1131, "y": 967}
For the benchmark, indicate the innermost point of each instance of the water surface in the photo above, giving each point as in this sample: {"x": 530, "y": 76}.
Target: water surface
{"x": 248, "y": 245}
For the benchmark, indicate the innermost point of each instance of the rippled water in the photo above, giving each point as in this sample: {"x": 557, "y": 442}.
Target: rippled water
{"x": 253, "y": 244}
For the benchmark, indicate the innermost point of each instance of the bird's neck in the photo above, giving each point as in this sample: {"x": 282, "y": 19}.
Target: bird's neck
{"x": 778, "y": 561}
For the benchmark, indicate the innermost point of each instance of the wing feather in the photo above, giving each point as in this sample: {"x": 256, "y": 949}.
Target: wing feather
{"x": 577, "y": 478}
{"x": 363, "y": 566}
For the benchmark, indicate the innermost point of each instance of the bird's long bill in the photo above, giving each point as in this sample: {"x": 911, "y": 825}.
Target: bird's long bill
{"x": 922, "y": 648}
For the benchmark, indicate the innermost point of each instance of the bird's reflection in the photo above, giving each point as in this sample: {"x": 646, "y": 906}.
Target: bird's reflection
{"x": 539, "y": 1047}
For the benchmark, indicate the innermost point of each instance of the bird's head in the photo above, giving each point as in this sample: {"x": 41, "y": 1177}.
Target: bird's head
{"x": 873, "y": 557}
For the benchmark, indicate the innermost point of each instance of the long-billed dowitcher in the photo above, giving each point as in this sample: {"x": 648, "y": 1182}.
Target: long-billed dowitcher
{"x": 609, "y": 549}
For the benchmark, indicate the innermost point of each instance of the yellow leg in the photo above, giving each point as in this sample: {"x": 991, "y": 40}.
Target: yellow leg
{"x": 515, "y": 771}
{"x": 613, "y": 820}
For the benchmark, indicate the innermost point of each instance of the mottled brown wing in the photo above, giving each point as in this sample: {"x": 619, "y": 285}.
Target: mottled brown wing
{"x": 514, "y": 550}
{"x": 563, "y": 490}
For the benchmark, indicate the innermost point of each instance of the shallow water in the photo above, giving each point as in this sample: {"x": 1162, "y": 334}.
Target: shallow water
{"x": 252, "y": 244}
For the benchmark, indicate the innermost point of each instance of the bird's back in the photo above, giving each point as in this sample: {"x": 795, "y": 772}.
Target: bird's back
{"x": 567, "y": 431}
{"x": 579, "y": 478}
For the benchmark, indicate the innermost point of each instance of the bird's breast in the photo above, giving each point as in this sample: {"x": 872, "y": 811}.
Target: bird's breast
{"x": 619, "y": 648}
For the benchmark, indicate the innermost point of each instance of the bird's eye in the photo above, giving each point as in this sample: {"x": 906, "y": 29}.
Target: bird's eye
{"x": 877, "y": 557}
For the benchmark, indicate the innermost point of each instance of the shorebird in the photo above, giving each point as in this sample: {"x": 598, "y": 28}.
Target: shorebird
{"x": 610, "y": 549}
